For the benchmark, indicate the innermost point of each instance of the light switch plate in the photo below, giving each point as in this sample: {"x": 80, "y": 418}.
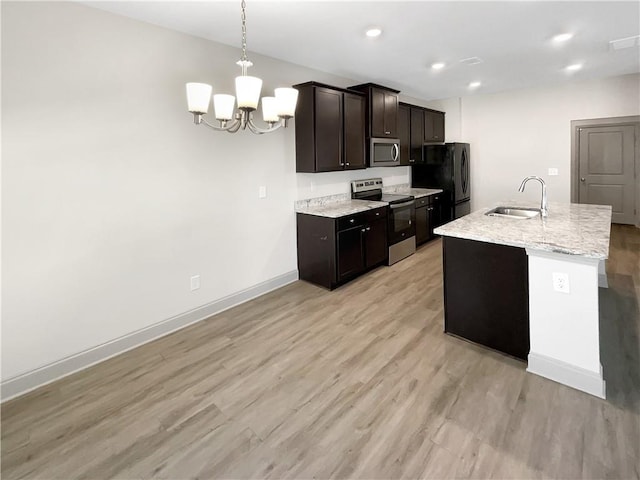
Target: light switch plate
{"x": 262, "y": 192}
{"x": 195, "y": 282}
{"x": 553, "y": 172}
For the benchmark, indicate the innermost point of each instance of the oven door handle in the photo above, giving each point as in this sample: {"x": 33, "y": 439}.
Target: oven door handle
{"x": 403, "y": 204}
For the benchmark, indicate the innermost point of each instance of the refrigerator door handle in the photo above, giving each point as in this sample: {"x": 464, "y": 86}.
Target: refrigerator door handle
{"x": 463, "y": 172}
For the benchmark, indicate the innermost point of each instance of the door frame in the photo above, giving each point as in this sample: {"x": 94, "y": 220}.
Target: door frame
{"x": 633, "y": 120}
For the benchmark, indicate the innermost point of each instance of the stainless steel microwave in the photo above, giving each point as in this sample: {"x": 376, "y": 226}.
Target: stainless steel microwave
{"x": 384, "y": 152}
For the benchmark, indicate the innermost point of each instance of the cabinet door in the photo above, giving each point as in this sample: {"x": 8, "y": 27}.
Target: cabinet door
{"x": 376, "y": 242}
{"x": 404, "y": 133}
{"x": 354, "y": 131}
{"x": 417, "y": 135}
{"x": 316, "y": 249}
{"x": 350, "y": 252}
{"x": 433, "y": 126}
{"x": 436, "y": 214}
{"x": 328, "y": 130}
{"x": 390, "y": 115}
{"x": 438, "y": 127}
{"x": 423, "y": 224}
{"x": 376, "y": 115}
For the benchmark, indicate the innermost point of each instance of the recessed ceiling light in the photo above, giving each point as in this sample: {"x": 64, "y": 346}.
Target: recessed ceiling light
{"x": 374, "y": 32}
{"x": 474, "y": 84}
{"x": 562, "y": 37}
{"x": 437, "y": 66}
{"x": 574, "y": 67}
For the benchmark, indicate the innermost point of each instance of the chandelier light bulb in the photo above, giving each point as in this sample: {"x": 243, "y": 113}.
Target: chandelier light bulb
{"x": 198, "y": 97}
{"x": 287, "y": 99}
{"x": 223, "y": 106}
{"x": 270, "y": 109}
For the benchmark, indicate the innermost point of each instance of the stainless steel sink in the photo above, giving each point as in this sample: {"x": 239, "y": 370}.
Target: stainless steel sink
{"x": 519, "y": 213}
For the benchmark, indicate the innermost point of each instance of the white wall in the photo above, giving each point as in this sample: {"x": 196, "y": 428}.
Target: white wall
{"x": 112, "y": 199}
{"x": 524, "y": 132}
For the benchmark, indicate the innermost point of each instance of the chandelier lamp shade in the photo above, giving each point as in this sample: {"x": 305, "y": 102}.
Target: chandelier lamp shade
{"x": 276, "y": 110}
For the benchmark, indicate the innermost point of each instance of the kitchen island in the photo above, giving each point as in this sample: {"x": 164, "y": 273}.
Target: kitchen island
{"x": 529, "y": 288}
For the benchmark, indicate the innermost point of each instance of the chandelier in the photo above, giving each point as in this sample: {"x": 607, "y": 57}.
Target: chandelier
{"x": 276, "y": 111}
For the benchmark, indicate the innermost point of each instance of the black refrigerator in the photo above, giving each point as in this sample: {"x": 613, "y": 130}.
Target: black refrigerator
{"x": 446, "y": 166}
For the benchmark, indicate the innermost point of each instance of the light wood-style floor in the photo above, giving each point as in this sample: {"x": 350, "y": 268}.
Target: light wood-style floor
{"x": 356, "y": 383}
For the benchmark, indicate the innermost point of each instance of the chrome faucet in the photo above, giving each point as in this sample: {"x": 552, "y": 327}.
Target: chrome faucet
{"x": 544, "y": 209}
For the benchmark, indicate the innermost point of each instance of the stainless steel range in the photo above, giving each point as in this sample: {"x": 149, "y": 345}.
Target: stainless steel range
{"x": 401, "y": 228}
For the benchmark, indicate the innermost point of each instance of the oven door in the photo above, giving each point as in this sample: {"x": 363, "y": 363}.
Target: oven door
{"x": 402, "y": 221}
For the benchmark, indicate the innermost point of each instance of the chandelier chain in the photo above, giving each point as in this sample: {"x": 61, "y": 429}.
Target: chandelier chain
{"x": 244, "y": 31}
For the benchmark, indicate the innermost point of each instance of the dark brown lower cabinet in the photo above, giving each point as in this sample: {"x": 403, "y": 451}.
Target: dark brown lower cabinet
{"x": 332, "y": 251}
{"x": 427, "y": 217}
{"x": 486, "y": 294}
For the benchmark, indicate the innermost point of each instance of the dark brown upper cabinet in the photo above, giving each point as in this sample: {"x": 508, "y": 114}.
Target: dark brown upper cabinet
{"x": 412, "y": 121}
{"x": 382, "y": 110}
{"x": 404, "y": 132}
{"x": 330, "y": 128}
{"x": 433, "y": 126}
{"x": 417, "y": 135}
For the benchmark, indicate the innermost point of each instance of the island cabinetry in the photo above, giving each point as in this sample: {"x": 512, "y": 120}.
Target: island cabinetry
{"x": 330, "y": 129}
{"x": 486, "y": 294}
{"x": 382, "y": 110}
{"x": 332, "y": 251}
{"x": 427, "y": 217}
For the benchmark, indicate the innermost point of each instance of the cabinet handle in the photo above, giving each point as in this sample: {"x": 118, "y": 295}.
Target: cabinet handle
{"x": 323, "y": 238}
{"x": 342, "y": 164}
{"x": 377, "y": 214}
{"x": 347, "y": 163}
{"x": 363, "y": 230}
{"x": 387, "y": 133}
{"x": 352, "y": 220}
{"x": 409, "y": 223}
{"x": 368, "y": 228}
{"x": 411, "y": 160}
{"x": 430, "y": 208}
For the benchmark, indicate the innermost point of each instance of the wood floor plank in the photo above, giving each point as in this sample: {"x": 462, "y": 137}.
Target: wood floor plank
{"x": 360, "y": 383}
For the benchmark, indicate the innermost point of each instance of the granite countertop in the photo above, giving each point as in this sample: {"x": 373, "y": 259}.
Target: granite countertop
{"x": 340, "y": 208}
{"x": 416, "y": 192}
{"x": 572, "y": 229}
{"x": 339, "y": 205}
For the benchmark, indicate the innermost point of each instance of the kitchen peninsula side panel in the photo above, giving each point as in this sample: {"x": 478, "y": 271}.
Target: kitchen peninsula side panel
{"x": 486, "y": 294}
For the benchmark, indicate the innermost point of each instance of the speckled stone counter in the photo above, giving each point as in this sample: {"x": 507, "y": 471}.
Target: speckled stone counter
{"x": 339, "y": 205}
{"x": 406, "y": 189}
{"x": 572, "y": 229}
{"x": 335, "y": 206}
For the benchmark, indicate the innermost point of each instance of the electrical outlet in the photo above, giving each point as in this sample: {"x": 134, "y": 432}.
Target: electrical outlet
{"x": 561, "y": 282}
{"x": 195, "y": 282}
{"x": 553, "y": 172}
{"x": 262, "y": 191}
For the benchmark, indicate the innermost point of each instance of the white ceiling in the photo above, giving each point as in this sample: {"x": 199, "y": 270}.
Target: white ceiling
{"x": 513, "y": 38}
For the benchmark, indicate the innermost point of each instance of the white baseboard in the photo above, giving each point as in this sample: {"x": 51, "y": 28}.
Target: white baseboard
{"x": 603, "y": 282}
{"x": 26, "y": 382}
{"x": 567, "y": 374}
